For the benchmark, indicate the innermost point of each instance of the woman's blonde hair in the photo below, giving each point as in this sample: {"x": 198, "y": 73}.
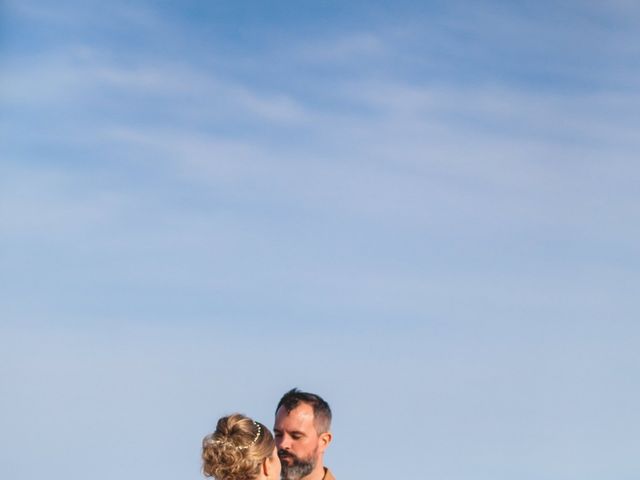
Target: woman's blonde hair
{"x": 236, "y": 450}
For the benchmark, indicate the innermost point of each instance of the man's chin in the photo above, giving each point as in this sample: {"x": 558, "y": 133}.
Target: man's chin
{"x": 297, "y": 469}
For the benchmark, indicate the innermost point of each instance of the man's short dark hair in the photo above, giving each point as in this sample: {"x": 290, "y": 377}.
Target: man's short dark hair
{"x": 321, "y": 409}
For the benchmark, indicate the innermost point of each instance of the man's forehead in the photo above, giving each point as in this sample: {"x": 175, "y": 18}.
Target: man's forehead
{"x": 302, "y": 414}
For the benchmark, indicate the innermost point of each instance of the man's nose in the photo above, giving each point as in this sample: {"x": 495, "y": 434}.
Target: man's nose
{"x": 285, "y": 442}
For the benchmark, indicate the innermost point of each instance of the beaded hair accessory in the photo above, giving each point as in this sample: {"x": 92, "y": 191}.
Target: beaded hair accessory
{"x": 255, "y": 439}
{"x": 231, "y": 444}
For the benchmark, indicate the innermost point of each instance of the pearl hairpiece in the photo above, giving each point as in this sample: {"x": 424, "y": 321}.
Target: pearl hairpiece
{"x": 255, "y": 439}
{"x": 231, "y": 444}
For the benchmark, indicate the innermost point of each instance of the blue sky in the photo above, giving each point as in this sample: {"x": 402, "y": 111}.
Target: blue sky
{"x": 425, "y": 211}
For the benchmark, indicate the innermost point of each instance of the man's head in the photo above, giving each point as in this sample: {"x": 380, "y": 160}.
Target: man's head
{"x": 302, "y": 433}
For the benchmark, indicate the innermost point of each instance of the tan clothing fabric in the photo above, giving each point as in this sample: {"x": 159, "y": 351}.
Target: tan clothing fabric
{"x": 328, "y": 475}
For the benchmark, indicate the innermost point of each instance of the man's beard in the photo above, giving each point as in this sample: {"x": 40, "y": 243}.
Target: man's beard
{"x": 299, "y": 468}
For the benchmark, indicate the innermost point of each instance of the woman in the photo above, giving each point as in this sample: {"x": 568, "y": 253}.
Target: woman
{"x": 240, "y": 449}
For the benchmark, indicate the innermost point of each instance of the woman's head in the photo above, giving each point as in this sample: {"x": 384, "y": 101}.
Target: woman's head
{"x": 240, "y": 449}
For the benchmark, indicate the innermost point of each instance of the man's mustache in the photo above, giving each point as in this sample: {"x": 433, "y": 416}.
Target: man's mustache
{"x": 285, "y": 454}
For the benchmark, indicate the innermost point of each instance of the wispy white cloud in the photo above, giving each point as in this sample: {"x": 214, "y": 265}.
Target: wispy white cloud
{"x": 37, "y": 11}
{"x": 54, "y": 203}
{"x": 72, "y": 14}
{"x": 352, "y": 47}
{"x": 413, "y": 140}
{"x": 82, "y": 75}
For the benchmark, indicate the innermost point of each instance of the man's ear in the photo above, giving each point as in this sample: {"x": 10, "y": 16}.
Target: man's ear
{"x": 324, "y": 440}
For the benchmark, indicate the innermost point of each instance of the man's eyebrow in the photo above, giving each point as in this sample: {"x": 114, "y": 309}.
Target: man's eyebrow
{"x": 292, "y": 432}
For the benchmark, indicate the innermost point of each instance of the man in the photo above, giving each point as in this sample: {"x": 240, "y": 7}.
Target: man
{"x": 302, "y": 434}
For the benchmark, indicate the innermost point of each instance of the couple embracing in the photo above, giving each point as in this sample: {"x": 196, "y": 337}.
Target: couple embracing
{"x": 243, "y": 449}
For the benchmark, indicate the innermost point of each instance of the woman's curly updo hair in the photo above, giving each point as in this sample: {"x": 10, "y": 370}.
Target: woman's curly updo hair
{"x": 236, "y": 450}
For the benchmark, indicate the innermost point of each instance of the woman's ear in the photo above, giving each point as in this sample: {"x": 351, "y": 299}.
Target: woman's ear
{"x": 268, "y": 467}
{"x": 271, "y": 467}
